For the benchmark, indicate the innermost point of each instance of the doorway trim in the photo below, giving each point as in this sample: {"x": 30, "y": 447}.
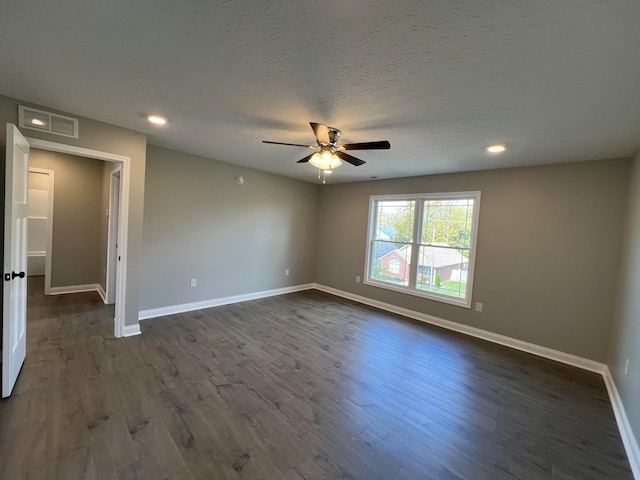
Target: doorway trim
{"x": 115, "y": 181}
{"x": 125, "y": 164}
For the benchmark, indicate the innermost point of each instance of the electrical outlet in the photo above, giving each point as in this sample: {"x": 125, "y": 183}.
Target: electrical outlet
{"x": 357, "y": 278}
{"x": 194, "y": 282}
{"x": 478, "y": 307}
{"x": 626, "y": 367}
{"x": 286, "y": 272}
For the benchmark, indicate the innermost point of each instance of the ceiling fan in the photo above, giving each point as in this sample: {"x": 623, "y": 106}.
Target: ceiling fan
{"x": 330, "y": 154}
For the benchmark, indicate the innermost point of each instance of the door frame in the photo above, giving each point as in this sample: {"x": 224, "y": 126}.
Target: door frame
{"x": 48, "y": 253}
{"x": 115, "y": 213}
{"x": 125, "y": 164}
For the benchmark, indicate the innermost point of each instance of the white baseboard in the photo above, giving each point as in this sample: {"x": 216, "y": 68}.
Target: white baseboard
{"x": 545, "y": 352}
{"x": 102, "y": 293}
{"x": 89, "y": 287}
{"x": 628, "y": 438}
{"x": 216, "y": 302}
{"x": 131, "y": 330}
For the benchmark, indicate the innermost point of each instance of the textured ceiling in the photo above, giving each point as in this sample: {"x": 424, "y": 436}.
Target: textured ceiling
{"x": 556, "y": 80}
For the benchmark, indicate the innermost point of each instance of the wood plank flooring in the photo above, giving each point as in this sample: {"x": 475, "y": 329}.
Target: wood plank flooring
{"x": 301, "y": 386}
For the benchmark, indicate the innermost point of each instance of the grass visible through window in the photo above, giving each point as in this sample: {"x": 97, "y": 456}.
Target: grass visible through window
{"x": 450, "y": 288}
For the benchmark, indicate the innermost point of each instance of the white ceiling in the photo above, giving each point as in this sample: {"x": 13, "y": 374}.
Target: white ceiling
{"x": 556, "y": 81}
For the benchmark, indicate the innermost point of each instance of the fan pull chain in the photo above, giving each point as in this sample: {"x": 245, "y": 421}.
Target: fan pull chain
{"x": 324, "y": 176}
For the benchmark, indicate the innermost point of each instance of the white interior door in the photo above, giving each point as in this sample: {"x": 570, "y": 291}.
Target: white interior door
{"x": 14, "y": 293}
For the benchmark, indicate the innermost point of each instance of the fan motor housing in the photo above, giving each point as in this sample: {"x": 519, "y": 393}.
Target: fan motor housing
{"x": 334, "y": 135}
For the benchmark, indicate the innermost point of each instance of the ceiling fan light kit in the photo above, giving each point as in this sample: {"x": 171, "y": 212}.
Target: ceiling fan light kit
{"x": 331, "y": 154}
{"x": 325, "y": 160}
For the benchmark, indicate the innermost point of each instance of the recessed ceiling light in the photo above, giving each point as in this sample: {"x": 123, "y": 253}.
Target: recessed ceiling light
{"x": 497, "y": 148}
{"x": 35, "y": 121}
{"x": 157, "y": 119}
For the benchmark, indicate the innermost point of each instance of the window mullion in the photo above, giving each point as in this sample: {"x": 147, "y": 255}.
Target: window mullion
{"x": 415, "y": 248}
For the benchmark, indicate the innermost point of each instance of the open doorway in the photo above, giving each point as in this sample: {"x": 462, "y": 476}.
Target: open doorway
{"x": 14, "y": 318}
{"x": 69, "y": 200}
{"x": 39, "y": 224}
{"x": 114, "y": 264}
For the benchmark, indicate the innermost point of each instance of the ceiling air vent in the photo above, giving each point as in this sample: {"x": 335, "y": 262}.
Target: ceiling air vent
{"x": 47, "y": 122}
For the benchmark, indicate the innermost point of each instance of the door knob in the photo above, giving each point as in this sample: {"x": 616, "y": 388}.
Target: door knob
{"x": 14, "y": 275}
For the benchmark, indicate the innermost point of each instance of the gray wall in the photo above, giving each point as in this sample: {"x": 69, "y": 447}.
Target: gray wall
{"x": 547, "y": 257}
{"x": 625, "y": 338}
{"x": 106, "y": 138}
{"x": 234, "y": 239}
{"x": 77, "y": 216}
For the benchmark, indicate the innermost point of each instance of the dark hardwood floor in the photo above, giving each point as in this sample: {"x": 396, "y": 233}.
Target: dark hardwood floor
{"x": 301, "y": 386}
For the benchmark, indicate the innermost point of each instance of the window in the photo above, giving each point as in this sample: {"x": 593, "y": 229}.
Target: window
{"x": 424, "y": 244}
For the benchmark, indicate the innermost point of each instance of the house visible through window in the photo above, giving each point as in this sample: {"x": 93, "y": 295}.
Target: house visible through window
{"x": 394, "y": 266}
{"x": 424, "y": 244}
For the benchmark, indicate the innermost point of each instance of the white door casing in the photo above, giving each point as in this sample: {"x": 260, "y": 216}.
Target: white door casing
{"x": 125, "y": 164}
{"x": 14, "y": 301}
{"x": 112, "y": 241}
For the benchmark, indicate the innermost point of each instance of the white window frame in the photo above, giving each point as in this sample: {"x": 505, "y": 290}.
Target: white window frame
{"x": 411, "y": 289}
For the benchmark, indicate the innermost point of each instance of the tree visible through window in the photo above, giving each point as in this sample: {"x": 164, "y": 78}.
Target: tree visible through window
{"x": 424, "y": 244}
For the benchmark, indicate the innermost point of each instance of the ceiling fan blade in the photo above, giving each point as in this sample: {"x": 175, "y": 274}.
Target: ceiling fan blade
{"x": 321, "y": 132}
{"x": 356, "y": 162}
{"x": 382, "y": 145}
{"x": 306, "y": 159}
{"x": 290, "y": 144}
